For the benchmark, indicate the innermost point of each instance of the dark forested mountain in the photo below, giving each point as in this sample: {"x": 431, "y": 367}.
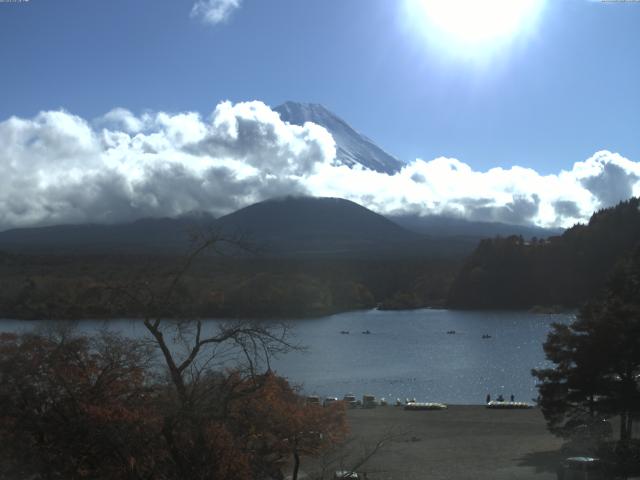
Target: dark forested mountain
{"x": 352, "y": 148}
{"x": 316, "y": 225}
{"x": 565, "y": 270}
{"x": 320, "y": 255}
{"x": 292, "y": 225}
{"x": 300, "y": 226}
{"x": 440, "y": 225}
{"x": 149, "y": 235}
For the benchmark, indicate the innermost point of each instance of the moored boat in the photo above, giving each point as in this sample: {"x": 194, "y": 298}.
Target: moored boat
{"x": 425, "y": 406}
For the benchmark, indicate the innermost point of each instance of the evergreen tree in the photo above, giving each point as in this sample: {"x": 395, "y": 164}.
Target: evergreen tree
{"x": 597, "y": 359}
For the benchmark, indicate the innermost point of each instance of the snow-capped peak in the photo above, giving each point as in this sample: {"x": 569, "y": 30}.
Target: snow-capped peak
{"x": 351, "y": 147}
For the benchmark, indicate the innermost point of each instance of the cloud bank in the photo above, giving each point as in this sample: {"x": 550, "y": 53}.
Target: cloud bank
{"x": 214, "y": 12}
{"x": 59, "y": 168}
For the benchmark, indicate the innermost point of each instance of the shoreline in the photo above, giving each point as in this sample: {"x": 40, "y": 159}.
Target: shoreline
{"x": 293, "y": 317}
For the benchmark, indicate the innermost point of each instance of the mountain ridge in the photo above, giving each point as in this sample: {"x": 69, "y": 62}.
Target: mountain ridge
{"x": 289, "y": 225}
{"x": 456, "y": 226}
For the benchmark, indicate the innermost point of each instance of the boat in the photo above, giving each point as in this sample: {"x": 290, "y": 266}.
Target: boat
{"x": 351, "y": 400}
{"x": 369, "y": 401}
{"x": 329, "y": 401}
{"x": 425, "y": 406}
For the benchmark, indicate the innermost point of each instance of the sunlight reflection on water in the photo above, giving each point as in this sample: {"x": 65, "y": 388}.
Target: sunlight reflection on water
{"x": 407, "y": 353}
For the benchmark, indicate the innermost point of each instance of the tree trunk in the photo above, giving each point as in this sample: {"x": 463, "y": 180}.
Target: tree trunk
{"x": 624, "y": 434}
{"x": 296, "y": 465}
{"x": 176, "y": 375}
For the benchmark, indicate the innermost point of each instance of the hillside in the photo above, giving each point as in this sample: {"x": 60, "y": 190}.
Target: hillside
{"x": 147, "y": 235}
{"x": 291, "y": 226}
{"x": 565, "y": 270}
{"x": 312, "y": 226}
{"x": 440, "y": 225}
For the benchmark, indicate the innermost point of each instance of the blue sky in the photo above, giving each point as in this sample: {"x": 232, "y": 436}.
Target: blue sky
{"x": 570, "y": 89}
{"x": 541, "y": 107}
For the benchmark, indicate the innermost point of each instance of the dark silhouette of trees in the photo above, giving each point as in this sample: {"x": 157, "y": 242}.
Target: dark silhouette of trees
{"x": 597, "y": 360}
{"x": 72, "y": 287}
{"x": 561, "y": 271}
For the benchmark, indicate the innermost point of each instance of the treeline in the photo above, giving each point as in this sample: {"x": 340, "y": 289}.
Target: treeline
{"x": 73, "y": 287}
{"x": 562, "y": 271}
{"x": 504, "y": 272}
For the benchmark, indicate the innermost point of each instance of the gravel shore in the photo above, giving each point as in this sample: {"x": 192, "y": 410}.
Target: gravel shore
{"x": 462, "y": 442}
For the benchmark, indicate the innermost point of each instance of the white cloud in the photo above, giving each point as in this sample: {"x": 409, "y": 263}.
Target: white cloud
{"x": 57, "y": 167}
{"x": 214, "y": 11}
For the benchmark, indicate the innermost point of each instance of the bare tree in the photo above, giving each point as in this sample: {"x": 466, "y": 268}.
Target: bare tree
{"x": 195, "y": 353}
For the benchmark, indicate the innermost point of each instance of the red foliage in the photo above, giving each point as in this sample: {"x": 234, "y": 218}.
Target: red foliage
{"x": 279, "y": 420}
{"x": 74, "y": 407}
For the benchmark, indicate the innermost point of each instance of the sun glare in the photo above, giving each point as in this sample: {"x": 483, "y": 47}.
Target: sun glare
{"x": 473, "y": 26}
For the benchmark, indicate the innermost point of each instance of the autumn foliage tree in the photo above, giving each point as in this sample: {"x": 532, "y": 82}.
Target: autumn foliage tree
{"x": 73, "y": 407}
{"x": 287, "y": 425}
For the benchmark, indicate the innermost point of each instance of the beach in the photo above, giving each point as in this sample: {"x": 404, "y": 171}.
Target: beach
{"x": 462, "y": 442}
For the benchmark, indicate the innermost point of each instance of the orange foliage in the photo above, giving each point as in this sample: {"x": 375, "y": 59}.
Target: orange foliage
{"x": 90, "y": 408}
{"x": 281, "y": 420}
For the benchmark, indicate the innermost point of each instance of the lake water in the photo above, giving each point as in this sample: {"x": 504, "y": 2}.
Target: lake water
{"x": 407, "y": 353}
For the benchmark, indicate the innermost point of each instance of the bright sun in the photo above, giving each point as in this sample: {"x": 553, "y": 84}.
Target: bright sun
{"x": 473, "y": 25}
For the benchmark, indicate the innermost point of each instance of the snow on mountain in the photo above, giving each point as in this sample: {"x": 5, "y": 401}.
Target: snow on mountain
{"x": 351, "y": 147}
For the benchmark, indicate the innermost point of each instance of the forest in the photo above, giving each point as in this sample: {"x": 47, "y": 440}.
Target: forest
{"x": 513, "y": 272}
{"x": 74, "y": 287}
{"x": 558, "y": 272}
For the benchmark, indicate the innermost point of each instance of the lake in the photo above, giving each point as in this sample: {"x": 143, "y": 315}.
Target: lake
{"x": 407, "y": 354}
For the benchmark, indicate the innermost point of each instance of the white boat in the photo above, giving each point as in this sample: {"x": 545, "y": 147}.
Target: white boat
{"x": 351, "y": 400}
{"x": 369, "y": 401}
{"x": 425, "y": 406}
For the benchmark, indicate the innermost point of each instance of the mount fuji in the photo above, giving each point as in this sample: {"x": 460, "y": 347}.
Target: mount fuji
{"x": 352, "y": 148}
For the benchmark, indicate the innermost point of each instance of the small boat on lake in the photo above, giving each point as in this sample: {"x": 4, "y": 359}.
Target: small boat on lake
{"x": 425, "y": 406}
